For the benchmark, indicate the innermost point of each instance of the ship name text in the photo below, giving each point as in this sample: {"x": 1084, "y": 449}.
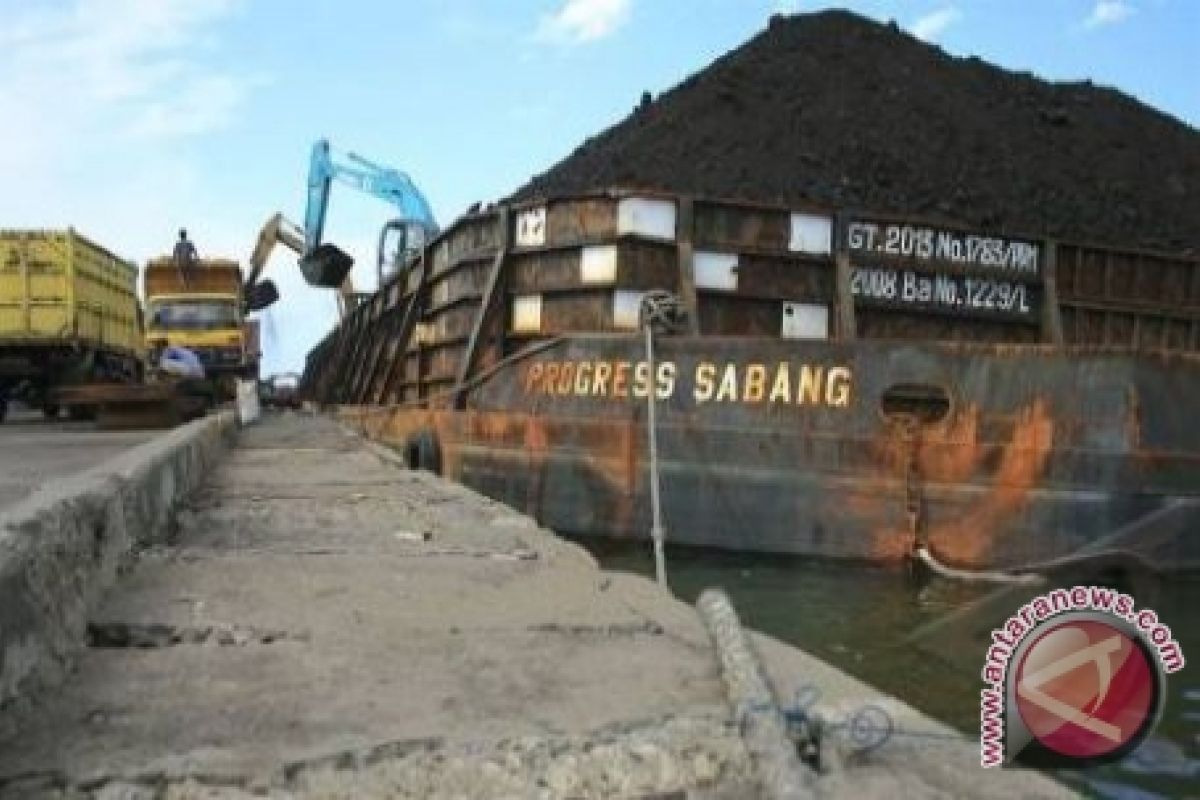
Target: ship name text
{"x": 709, "y": 382}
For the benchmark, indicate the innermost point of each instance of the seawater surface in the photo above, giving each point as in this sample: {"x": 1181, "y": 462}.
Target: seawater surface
{"x": 922, "y": 638}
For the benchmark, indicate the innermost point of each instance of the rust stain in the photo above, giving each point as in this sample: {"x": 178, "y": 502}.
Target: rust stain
{"x": 611, "y": 448}
{"x": 967, "y": 539}
{"x": 876, "y": 503}
{"x": 888, "y": 499}
{"x": 886, "y": 503}
{"x": 537, "y": 445}
{"x": 1133, "y": 421}
{"x": 951, "y": 451}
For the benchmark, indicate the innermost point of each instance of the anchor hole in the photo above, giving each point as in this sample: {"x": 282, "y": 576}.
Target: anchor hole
{"x": 921, "y": 401}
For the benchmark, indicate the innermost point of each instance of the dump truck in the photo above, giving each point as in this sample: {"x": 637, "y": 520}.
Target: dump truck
{"x": 69, "y": 315}
{"x": 200, "y": 307}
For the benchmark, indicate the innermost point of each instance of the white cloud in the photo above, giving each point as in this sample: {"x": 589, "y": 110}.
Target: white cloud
{"x": 110, "y": 50}
{"x": 104, "y": 95}
{"x": 1108, "y": 12}
{"x": 934, "y": 24}
{"x": 580, "y": 21}
{"x": 92, "y": 75}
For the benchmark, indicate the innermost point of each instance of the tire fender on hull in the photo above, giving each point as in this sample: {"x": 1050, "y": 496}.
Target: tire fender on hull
{"x": 422, "y": 452}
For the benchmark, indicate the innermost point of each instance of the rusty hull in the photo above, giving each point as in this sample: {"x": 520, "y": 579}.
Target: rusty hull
{"x": 1040, "y": 452}
{"x": 999, "y": 399}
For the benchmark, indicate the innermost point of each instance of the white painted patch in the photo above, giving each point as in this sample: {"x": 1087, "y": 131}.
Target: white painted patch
{"x": 527, "y": 313}
{"x": 805, "y": 321}
{"x": 811, "y": 234}
{"x": 531, "y": 227}
{"x": 715, "y": 270}
{"x": 598, "y": 265}
{"x": 644, "y": 216}
{"x": 626, "y": 304}
{"x": 248, "y": 408}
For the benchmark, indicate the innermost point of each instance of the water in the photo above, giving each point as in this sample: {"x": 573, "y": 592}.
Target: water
{"x": 897, "y": 630}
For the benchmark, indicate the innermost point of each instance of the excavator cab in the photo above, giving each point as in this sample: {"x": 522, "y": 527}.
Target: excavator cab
{"x": 326, "y": 266}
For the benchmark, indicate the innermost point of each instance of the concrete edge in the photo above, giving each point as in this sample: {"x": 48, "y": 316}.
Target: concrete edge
{"x": 62, "y": 547}
{"x": 543, "y": 540}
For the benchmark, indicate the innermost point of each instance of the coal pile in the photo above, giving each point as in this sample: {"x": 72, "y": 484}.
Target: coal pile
{"x": 836, "y": 110}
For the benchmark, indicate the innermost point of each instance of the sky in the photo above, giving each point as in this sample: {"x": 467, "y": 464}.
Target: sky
{"x": 128, "y": 119}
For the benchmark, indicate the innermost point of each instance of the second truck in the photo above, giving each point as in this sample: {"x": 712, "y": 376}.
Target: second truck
{"x": 200, "y": 307}
{"x": 69, "y": 316}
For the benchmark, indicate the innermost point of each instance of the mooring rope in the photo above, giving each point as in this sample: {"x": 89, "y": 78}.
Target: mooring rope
{"x": 659, "y": 310}
{"x": 657, "y": 533}
{"x": 977, "y": 576}
{"x": 764, "y": 729}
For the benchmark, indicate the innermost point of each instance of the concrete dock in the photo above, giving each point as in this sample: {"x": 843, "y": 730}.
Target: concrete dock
{"x": 34, "y": 451}
{"x": 319, "y": 622}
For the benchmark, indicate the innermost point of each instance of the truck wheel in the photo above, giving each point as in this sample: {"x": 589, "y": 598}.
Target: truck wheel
{"x": 50, "y": 410}
{"x": 421, "y": 451}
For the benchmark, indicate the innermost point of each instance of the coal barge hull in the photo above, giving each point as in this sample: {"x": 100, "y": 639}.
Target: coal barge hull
{"x": 839, "y": 385}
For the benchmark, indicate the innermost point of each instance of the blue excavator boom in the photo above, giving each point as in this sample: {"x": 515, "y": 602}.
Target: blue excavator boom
{"x": 325, "y": 264}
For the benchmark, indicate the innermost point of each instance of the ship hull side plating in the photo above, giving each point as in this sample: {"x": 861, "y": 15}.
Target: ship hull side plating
{"x": 991, "y": 456}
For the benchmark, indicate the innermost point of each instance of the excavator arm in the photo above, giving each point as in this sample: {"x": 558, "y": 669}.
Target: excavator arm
{"x": 325, "y": 264}
{"x": 278, "y": 229}
{"x": 390, "y": 185}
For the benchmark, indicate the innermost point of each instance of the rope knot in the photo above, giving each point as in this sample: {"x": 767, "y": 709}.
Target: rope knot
{"x": 661, "y": 311}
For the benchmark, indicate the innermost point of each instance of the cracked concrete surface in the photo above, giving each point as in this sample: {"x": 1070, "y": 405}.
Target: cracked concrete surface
{"x": 397, "y": 608}
{"x": 323, "y": 624}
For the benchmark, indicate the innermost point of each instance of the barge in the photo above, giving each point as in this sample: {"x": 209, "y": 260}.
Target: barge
{"x": 826, "y": 382}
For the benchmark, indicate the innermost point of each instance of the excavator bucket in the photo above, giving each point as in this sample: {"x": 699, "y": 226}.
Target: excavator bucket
{"x": 326, "y": 266}
{"x": 261, "y": 295}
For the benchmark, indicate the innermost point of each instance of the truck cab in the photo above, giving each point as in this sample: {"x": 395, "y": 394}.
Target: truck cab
{"x": 209, "y": 325}
{"x": 201, "y": 309}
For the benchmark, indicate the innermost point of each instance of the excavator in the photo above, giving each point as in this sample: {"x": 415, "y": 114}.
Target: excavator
{"x": 324, "y": 264}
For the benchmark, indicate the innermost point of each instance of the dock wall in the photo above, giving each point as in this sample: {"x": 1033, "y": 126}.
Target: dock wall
{"x": 64, "y": 545}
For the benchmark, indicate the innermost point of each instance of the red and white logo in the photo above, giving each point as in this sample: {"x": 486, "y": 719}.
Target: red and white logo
{"x": 1074, "y": 677}
{"x": 1086, "y": 689}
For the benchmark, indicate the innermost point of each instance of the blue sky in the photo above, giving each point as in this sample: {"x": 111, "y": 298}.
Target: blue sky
{"x": 131, "y": 118}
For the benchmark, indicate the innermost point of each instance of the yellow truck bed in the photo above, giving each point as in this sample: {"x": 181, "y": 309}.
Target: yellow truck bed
{"x": 57, "y": 287}
{"x": 210, "y": 276}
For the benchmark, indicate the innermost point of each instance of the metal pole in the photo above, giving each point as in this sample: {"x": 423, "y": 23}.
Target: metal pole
{"x": 656, "y": 530}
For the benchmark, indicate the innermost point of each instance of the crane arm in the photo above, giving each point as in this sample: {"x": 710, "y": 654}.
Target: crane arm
{"x": 389, "y": 185}
{"x": 325, "y": 264}
{"x": 278, "y": 229}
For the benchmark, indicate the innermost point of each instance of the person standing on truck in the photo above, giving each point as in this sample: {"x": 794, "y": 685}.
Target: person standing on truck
{"x": 185, "y": 255}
